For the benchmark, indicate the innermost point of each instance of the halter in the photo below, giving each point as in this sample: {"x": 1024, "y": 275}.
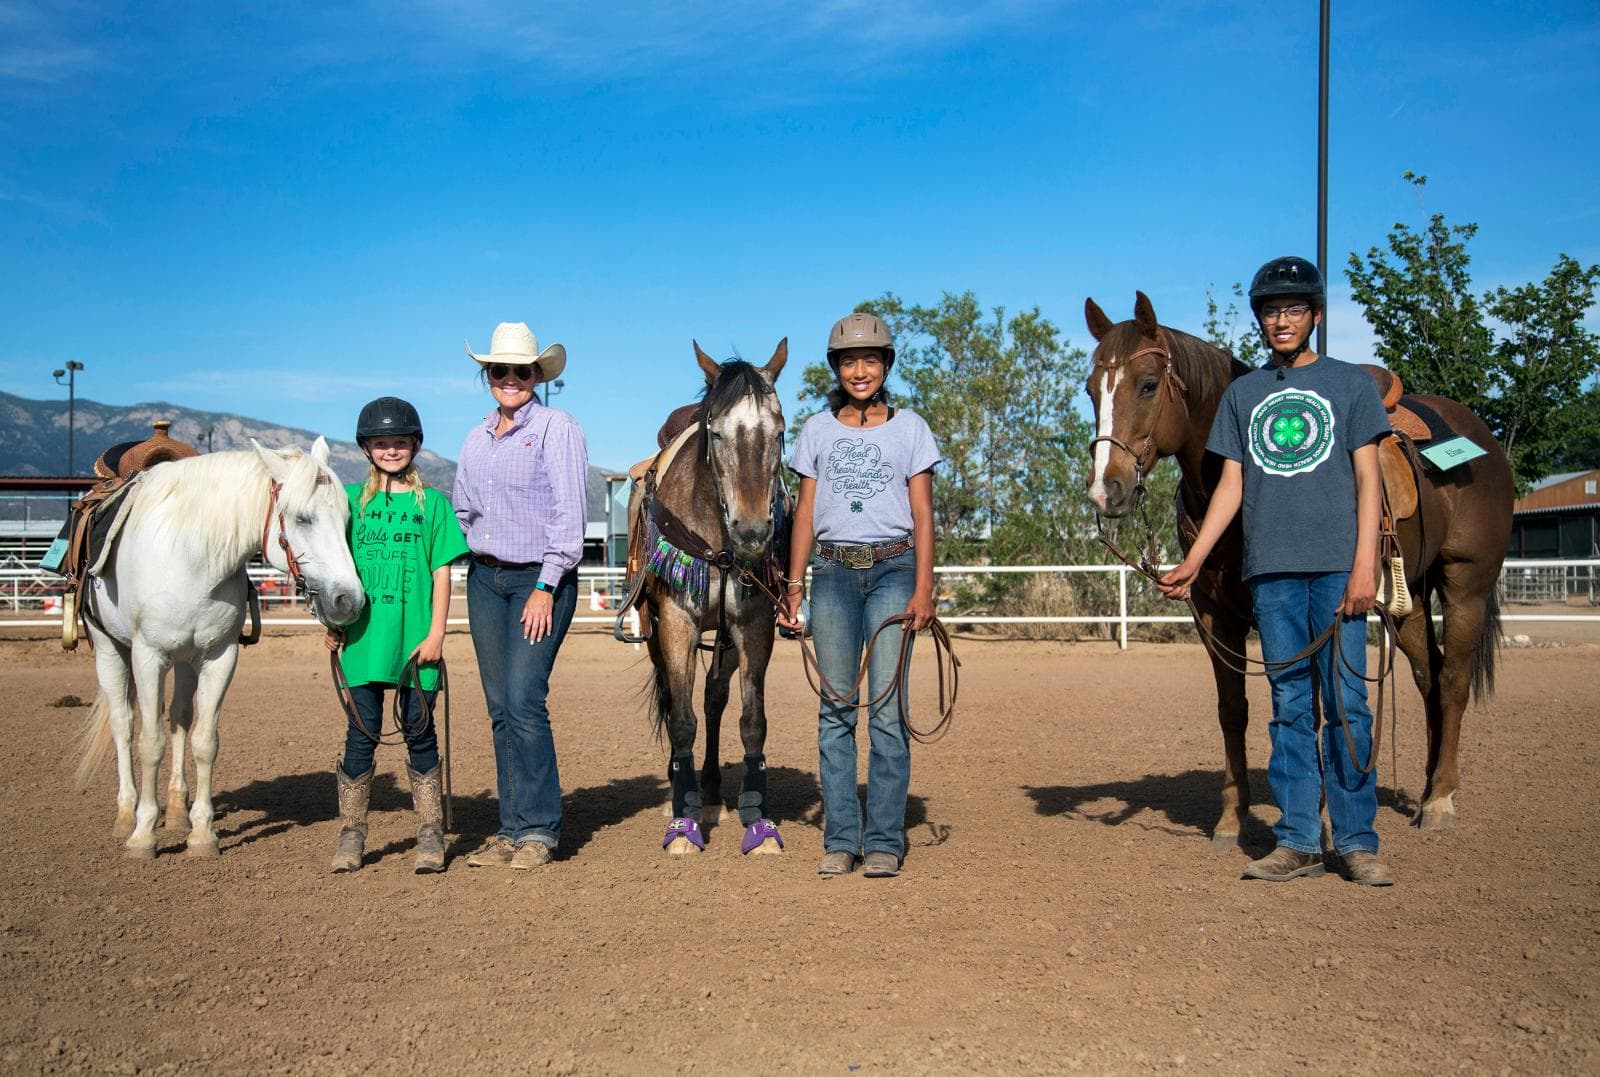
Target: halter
{"x": 1171, "y": 385}
{"x": 296, "y": 574}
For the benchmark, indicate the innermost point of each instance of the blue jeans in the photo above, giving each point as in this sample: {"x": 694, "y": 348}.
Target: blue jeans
{"x": 1291, "y": 609}
{"x": 516, "y": 681}
{"x": 421, "y": 738}
{"x": 847, "y": 606}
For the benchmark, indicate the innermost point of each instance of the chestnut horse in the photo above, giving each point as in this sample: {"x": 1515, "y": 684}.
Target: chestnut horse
{"x": 713, "y": 525}
{"x": 1155, "y": 392}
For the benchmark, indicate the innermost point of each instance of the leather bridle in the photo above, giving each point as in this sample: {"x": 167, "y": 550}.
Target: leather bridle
{"x": 292, "y": 562}
{"x": 1171, "y": 385}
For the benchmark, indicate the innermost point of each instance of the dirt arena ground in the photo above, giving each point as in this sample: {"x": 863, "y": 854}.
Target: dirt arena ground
{"x": 1059, "y": 910}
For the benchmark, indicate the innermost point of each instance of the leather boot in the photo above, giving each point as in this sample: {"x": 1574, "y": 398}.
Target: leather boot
{"x": 427, "y": 792}
{"x": 353, "y": 796}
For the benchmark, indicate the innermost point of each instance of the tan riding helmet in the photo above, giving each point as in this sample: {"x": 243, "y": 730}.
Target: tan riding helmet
{"x": 860, "y": 330}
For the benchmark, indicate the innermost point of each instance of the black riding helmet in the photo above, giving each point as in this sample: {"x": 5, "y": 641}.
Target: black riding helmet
{"x": 388, "y": 416}
{"x": 1287, "y": 276}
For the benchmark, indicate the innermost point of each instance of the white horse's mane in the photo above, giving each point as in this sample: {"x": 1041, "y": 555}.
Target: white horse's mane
{"x": 216, "y": 504}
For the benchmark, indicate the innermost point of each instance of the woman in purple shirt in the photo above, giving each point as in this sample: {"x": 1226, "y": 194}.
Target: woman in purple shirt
{"x": 521, "y": 501}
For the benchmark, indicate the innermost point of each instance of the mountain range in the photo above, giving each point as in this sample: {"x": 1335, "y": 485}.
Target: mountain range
{"x": 33, "y": 440}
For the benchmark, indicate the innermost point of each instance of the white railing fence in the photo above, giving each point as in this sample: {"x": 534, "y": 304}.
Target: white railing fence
{"x": 25, "y": 590}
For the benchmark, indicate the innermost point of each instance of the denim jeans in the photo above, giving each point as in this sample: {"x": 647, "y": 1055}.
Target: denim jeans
{"x": 1291, "y": 609}
{"x": 847, "y": 606}
{"x": 421, "y": 738}
{"x": 516, "y": 681}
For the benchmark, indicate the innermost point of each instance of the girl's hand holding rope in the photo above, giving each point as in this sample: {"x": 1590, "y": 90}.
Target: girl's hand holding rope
{"x": 789, "y": 608}
{"x": 430, "y": 650}
{"x": 919, "y": 611}
{"x": 333, "y": 639}
{"x": 1175, "y": 584}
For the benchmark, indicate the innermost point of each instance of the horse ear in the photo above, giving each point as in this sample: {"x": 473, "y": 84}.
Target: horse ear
{"x": 780, "y": 356}
{"x": 319, "y": 450}
{"x": 1099, "y": 324}
{"x": 1144, "y": 313}
{"x": 707, "y": 364}
{"x": 270, "y": 460}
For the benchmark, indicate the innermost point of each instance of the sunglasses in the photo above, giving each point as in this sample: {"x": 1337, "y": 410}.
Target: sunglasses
{"x": 522, "y": 371}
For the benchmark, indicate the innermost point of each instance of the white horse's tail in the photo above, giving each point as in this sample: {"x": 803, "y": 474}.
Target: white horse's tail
{"x": 94, "y": 742}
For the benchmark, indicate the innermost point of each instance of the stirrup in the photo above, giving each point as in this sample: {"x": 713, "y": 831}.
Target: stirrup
{"x": 1393, "y": 594}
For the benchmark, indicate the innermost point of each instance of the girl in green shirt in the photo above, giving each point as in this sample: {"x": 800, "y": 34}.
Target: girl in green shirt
{"x": 403, "y": 537}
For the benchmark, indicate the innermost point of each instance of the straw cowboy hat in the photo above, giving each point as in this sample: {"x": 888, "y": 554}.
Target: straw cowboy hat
{"x": 513, "y": 343}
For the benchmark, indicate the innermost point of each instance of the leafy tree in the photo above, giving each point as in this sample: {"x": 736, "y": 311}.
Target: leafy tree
{"x": 1222, "y": 327}
{"x": 1519, "y": 357}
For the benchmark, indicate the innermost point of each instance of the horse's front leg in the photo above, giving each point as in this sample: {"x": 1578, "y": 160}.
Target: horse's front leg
{"x": 175, "y": 820}
{"x": 216, "y": 673}
{"x": 673, "y": 654}
{"x": 1233, "y": 715}
{"x": 755, "y": 651}
{"x": 149, "y": 677}
{"x": 111, "y": 663}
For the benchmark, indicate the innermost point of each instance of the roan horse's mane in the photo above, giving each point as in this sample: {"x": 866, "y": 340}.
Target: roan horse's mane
{"x": 215, "y": 504}
{"x": 1205, "y": 368}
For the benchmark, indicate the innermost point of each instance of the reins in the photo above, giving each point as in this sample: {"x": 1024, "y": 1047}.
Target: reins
{"x": 945, "y": 662}
{"x": 404, "y": 728}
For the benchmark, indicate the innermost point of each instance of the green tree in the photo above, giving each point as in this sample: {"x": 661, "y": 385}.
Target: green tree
{"x": 1223, "y": 327}
{"x": 1526, "y": 377}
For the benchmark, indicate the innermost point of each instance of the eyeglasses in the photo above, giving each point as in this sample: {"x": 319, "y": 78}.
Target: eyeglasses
{"x": 1294, "y": 313}
{"x": 522, "y": 371}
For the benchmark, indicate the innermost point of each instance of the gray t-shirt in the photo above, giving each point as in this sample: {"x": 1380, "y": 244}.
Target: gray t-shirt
{"x": 1294, "y": 436}
{"x": 862, "y": 474}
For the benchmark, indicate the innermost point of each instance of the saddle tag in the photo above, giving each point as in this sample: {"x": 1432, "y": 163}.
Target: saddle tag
{"x": 51, "y": 561}
{"x": 1451, "y": 452}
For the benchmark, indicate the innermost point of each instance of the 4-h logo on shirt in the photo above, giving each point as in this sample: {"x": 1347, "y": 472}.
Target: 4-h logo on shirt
{"x": 1291, "y": 432}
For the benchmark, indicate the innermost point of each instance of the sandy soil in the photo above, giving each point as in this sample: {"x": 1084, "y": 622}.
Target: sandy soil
{"x": 1059, "y": 910}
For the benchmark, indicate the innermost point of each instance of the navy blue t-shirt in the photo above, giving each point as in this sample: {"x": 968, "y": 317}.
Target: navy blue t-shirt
{"x": 1294, "y": 436}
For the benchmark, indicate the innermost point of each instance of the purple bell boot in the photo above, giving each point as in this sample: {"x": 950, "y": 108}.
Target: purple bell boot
{"x": 758, "y": 832}
{"x": 684, "y": 827}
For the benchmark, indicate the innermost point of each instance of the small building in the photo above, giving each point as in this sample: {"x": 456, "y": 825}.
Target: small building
{"x": 1558, "y": 520}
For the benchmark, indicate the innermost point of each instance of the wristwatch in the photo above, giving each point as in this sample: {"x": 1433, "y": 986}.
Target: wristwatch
{"x": 548, "y": 588}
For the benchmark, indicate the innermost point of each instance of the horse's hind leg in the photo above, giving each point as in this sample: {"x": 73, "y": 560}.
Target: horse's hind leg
{"x": 1233, "y": 715}
{"x": 175, "y": 820}
{"x": 716, "y": 701}
{"x": 149, "y": 677}
{"x": 215, "y": 674}
{"x": 111, "y": 669}
{"x": 1418, "y": 642}
{"x": 1466, "y": 601}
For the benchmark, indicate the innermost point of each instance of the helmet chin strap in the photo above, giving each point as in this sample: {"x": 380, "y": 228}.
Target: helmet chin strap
{"x": 1284, "y": 361}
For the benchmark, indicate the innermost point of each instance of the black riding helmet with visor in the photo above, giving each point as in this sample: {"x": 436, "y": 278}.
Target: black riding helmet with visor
{"x": 388, "y": 417}
{"x": 1289, "y": 277}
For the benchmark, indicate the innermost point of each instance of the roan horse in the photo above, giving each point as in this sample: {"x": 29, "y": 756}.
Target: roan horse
{"x": 712, "y": 528}
{"x": 1155, "y": 392}
{"x": 173, "y": 596}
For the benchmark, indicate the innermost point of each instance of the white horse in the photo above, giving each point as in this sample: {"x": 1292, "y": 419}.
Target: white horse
{"x": 173, "y": 595}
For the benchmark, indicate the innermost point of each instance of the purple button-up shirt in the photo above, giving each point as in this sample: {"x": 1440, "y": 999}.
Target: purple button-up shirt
{"x": 521, "y": 496}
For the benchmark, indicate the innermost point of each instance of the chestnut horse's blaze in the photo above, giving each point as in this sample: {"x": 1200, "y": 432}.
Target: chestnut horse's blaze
{"x": 1155, "y": 392}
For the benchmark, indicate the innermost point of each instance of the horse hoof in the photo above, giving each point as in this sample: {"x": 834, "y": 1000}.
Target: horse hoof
{"x": 1436, "y": 820}
{"x": 1222, "y": 844}
{"x": 681, "y": 847}
{"x": 139, "y": 852}
{"x": 769, "y": 847}
{"x": 204, "y": 850}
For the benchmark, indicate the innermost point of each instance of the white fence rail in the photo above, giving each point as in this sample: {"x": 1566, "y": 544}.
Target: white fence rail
{"x": 601, "y": 590}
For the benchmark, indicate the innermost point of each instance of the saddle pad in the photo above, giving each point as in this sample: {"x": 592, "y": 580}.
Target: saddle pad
{"x": 106, "y": 527}
{"x": 1399, "y": 478}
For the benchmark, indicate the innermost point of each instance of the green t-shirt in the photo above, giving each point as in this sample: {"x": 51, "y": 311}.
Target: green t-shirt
{"x": 396, "y": 547}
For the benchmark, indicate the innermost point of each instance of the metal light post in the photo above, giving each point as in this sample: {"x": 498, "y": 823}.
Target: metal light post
{"x": 553, "y": 388}
{"x": 1322, "y": 171}
{"x": 71, "y": 372}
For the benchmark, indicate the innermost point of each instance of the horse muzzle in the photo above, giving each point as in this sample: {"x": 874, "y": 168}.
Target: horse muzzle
{"x": 336, "y": 606}
{"x": 750, "y": 541}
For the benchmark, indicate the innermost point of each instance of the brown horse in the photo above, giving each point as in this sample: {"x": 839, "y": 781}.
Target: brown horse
{"x": 712, "y": 526}
{"x": 1155, "y": 392}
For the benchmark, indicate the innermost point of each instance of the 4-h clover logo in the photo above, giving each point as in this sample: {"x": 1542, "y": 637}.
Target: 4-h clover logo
{"x": 855, "y": 506}
{"x": 1291, "y": 432}
{"x": 1288, "y": 431}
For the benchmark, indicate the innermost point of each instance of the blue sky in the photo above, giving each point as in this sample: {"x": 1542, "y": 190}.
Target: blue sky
{"x": 286, "y": 213}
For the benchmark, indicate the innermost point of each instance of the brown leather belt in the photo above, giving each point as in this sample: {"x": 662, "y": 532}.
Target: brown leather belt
{"x": 862, "y": 554}
{"x": 495, "y": 562}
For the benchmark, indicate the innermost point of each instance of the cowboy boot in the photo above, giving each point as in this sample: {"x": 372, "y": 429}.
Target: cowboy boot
{"x": 353, "y": 796}
{"x": 426, "y": 795}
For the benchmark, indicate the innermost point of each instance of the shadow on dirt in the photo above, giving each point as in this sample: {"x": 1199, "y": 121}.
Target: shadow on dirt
{"x": 1190, "y": 802}
{"x": 291, "y": 800}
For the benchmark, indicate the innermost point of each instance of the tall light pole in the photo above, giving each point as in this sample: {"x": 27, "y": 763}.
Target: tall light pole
{"x": 553, "y": 388}
{"x": 71, "y": 373}
{"x": 1322, "y": 171}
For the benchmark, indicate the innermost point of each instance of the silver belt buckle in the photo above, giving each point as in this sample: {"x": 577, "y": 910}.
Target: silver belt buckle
{"x": 856, "y": 556}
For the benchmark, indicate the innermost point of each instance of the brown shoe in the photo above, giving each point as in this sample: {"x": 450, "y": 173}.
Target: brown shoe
{"x": 494, "y": 853}
{"x": 838, "y": 862}
{"x": 881, "y": 865}
{"x": 531, "y": 854}
{"x": 1283, "y": 864}
{"x": 1366, "y": 869}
